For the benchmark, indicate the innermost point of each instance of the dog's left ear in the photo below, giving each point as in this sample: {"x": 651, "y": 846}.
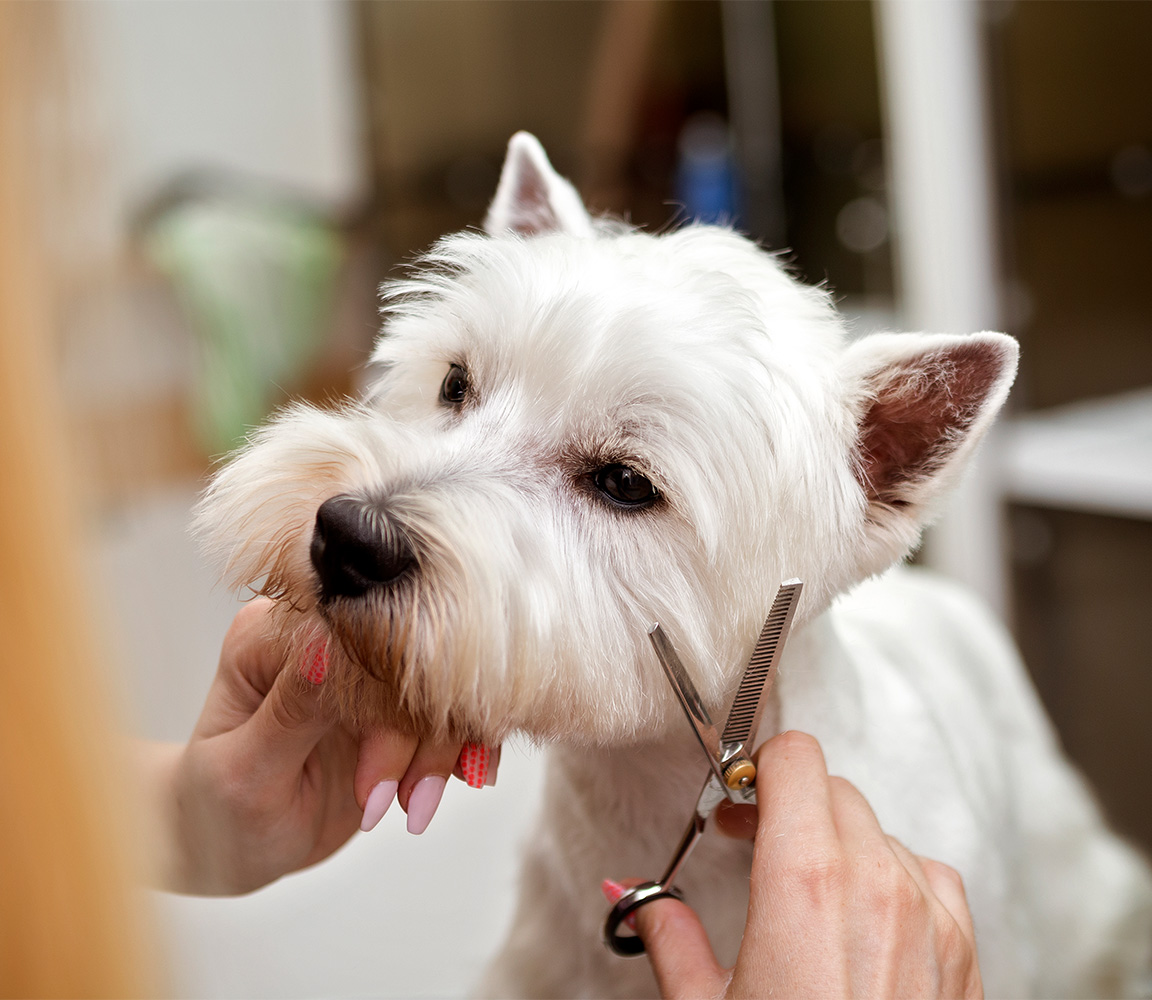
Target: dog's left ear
{"x": 921, "y": 404}
{"x": 532, "y": 198}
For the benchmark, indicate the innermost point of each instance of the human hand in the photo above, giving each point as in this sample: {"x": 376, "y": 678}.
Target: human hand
{"x": 837, "y": 907}
{"x": 270, "y": 782}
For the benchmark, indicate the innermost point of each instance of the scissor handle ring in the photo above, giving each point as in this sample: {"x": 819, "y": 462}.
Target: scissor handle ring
{"x": 631, "y": 945}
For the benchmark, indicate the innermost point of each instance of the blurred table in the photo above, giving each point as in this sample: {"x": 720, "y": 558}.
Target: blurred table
{"x": 1093, "y": 456}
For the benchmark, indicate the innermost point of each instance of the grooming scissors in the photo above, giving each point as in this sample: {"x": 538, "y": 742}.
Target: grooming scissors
{"x": 732, "y": 775}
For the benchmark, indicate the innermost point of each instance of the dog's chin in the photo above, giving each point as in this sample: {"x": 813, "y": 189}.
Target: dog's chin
{"x": 367, "y": 703}
{"x": 387, "y": 665}
{"x": 388, "y": 670}
{"x": 398, "y": 659}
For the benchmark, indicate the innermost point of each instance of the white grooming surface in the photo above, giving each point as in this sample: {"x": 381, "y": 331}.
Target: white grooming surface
{"x": 391, "y": 915}
{"x": 1092, "y": 456}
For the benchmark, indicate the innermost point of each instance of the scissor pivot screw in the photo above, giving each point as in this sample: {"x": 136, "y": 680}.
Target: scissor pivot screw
{"x": 740, "y": 773}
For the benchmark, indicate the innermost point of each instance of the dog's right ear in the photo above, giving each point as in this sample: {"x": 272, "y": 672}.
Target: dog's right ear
{"x": 920, "y": 403}
{"x": 532, "y": 198}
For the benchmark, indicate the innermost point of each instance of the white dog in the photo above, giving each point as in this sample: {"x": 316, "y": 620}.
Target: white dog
{"x": 579, "y": 429}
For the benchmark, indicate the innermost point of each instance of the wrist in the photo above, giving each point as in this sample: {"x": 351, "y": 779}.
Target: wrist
{"x": 175, "y": 865}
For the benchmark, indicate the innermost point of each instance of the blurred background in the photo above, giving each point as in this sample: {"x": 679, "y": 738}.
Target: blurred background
{"x": 221, "y": 187}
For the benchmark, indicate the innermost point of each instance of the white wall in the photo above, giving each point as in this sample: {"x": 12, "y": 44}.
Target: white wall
{"x": 265, "y": 89}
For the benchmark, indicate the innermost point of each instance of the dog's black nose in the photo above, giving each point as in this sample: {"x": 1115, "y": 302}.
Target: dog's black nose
{"x": 355, "y": 547}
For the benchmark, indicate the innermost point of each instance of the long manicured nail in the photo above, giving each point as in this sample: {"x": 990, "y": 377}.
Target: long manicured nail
{"x": 423, "y": 801}
{"x": 474, "y": 759}
{"x": 493, "y": 766}
{"x": 612, "y": 892}
{"x": 314, "y": 666}
{"x": 379, "y": 799}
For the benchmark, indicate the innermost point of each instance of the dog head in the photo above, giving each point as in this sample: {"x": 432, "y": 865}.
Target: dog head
{"x": 576, "y": 429}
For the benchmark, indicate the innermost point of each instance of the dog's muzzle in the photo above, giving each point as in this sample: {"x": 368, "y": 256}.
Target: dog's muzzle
{"x": 356, "y": 547}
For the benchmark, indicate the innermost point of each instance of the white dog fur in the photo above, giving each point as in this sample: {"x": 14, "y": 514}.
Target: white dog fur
{"x": 778, "y": 448}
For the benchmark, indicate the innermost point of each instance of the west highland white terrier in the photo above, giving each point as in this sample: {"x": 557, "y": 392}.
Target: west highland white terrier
{"x": 578, "y": 429}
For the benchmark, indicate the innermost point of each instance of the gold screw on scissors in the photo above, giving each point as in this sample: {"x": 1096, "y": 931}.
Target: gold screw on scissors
{"x": 733, "y": 775}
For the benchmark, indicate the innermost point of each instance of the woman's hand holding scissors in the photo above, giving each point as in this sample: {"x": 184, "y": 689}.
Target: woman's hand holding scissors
{"x": 837, "y": 908}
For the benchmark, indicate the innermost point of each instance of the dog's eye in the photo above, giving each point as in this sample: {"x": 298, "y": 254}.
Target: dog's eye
{"x": 455, "y": 386}
{"x": 624, "y": 485}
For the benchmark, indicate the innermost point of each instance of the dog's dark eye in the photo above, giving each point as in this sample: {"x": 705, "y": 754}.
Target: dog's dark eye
{"x": 625, "y": 486}
{"x": 455, "y": 386}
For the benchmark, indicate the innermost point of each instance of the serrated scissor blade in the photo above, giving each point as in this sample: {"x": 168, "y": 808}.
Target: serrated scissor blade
{"x": 688, "y": 697}
{"x": 752, "y": 695}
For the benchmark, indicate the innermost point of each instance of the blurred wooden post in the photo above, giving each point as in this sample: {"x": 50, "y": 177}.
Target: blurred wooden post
{"x": 70, "y": 920}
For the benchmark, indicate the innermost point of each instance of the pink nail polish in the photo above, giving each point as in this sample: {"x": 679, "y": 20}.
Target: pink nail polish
{"x": 314, "y": 666}
{"x": 423, "y": 801}
{"x": 612, "y": 892}
{"x": 474, "y": 760}
{"x": 379, "y": 799}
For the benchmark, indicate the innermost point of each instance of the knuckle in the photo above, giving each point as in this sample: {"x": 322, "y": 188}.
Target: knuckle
{"x": 246, "y": 631}
{"x": 939, "y": 870}
{"x": 250, "y": 618}
{"x": 894, "y": 896}
{"x": 288, "y": 711}
{"x": 821, "y": 879}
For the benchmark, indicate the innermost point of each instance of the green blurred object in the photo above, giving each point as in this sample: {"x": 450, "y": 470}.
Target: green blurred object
{"x": 256, "y": 280}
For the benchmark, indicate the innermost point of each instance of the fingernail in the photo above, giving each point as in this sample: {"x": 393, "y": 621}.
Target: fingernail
{"x": 493, "y": 767}
{"x": 474, "y": 764}
{"x": 612, "y": 892}
{"x": 379, "y": 799}
{"x": 423, "y": 801}
{"x": 314, "y": 666}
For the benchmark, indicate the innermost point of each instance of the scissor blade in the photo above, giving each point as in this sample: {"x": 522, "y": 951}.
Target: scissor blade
{"x": 686, "y": 694}
{"x": 752, "y": 695}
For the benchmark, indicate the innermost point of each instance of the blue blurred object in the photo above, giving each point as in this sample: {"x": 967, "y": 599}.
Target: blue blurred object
{"x": 706, "y": 172}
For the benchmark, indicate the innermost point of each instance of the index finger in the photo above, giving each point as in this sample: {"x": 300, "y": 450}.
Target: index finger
{"x": 794, "y": 800}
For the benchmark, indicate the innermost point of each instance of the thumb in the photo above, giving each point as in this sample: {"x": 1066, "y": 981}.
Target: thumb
{"x": 291, "y": 719}
{"x": 678, "y": 948}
